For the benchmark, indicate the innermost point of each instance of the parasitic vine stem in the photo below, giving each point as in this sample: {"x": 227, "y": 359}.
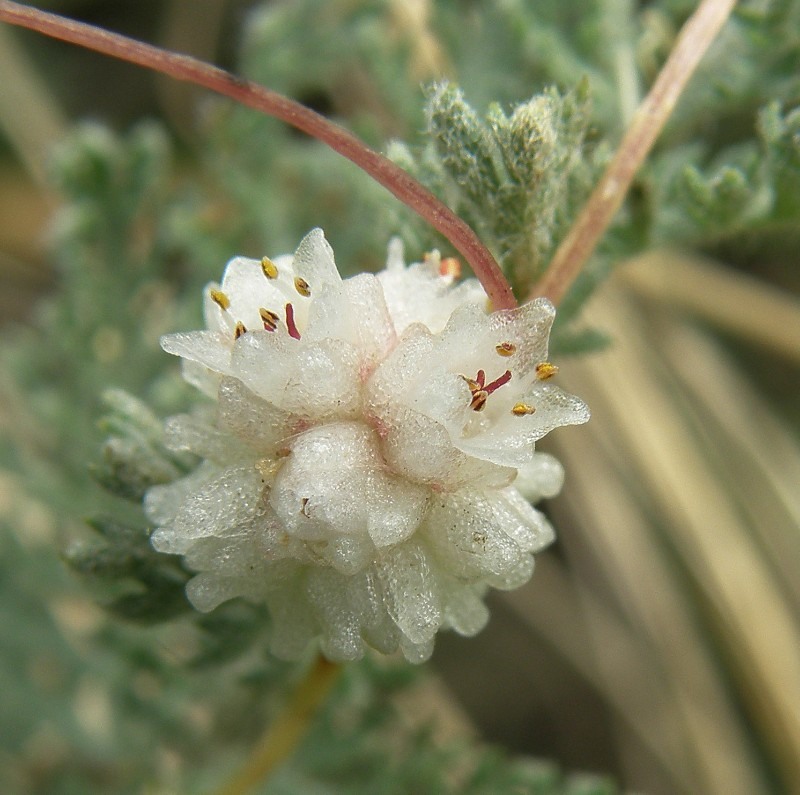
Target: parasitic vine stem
{"x": 193, "y": 70}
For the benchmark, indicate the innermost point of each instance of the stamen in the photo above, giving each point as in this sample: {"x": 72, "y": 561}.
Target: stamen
{"x": 478, "y": 402}
{"x": 506, "y": 348}
{"x": 270, "y": 319}
{"x": 481, "y": 390}
{"x": 450, "y": 266}
{"x": 239, "y": 330}
{"x": 521, "y": 409}
{"x": 302, "y": 287}
{"x": 269, "y": 268}
{"x": 498, "y": 382}
{"x": 219, "y": 298}
{"x": 545, "y": 370}
{"x": 473, "y": 385}
{"x": 290, "y": 324}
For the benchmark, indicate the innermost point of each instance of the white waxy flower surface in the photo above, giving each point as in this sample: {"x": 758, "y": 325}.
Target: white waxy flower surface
{"x": 369, "y": 458}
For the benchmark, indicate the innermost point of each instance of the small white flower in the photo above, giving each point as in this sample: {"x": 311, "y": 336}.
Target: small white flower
{"x": 362, "y": 459}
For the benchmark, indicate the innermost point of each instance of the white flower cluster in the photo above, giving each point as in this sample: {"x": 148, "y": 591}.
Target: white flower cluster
{"x": 369, "y": 458}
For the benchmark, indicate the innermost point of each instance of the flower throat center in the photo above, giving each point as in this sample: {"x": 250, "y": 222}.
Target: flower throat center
{"x": 481, "y": 390}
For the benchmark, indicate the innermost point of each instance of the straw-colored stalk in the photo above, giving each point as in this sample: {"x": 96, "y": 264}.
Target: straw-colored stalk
{"x": 682, "y": 494}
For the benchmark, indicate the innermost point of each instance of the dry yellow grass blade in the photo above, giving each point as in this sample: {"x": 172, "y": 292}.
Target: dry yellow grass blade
{"x": 605, "y": 528}
{"x": 733, "y": 301}
{"x": 641, "y": 421}
{"x": 751, "y": 447}
{"x": 23, "y": 215}
{"x": 627, "y": 677}
{"x": 29, "y": 113}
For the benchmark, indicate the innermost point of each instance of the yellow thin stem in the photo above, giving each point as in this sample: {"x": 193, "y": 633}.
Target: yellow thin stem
{"x": 651, "y": 116}
{"x": 283, "y": 736}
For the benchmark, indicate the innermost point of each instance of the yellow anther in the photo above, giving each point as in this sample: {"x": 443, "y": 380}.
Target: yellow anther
{"x": 267, "y": 469}
{"x": 239, "y": 330}
{"x": 269, "y": 268}
{"x": 270, "y": 319}
{"x": 545, "y": 370}
{"x": 522, "y": 409}
{"x": 450, "y": 266}
{"x": 219, "y": 298}
{"x": 506, "y": 348}
{"x": 473, "y": 385}
{"x": 301, "y": 285}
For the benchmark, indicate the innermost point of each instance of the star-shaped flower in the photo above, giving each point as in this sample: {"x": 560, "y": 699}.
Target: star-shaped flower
{"x": 366, "y": 457}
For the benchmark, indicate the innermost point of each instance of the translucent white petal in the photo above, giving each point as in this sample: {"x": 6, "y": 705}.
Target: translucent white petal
{"x": 330, "y": 598}
{"x": 397, "y": 375}
{"x": 161, "y": 503}
{"x": 313, "y": 260}
{"x": 245, "y": 555}
{"x": 355, "y": 313}
{"x": 333, "y": 484}
{"x": 510, "y": 440}
{"x": 442, "y": 396}
{"x": 294, "y": 625}
{"x": 417, "y": 653}
{"x": 347, "y": 554}
{"x": 246, "y": 287}
{"x": 420, "y": 294}
{"x": 396, "y": 509}
{"x": 527, "y": 526}
{"x": 412, "y": 597}
{"x": 219, "y": 507}
{"x": 377, "y": 627}
{"x": 542, "y": 478}
{"x": 471, "y": 533}
{"x": 485, "y": 536}
{"x": 208, "y": 348}
{"x": 514, "y": 577}
{"x": 312, "y": 380}
{"x": 200, "y": 377}
{"x": 184, "y": 432}
{"x": 248, "y": 291}
{"x": 208, "y": 590}
{"x": 422, "y": 450}
{"x": 261, "y": 425}
{"x": 464, "y": 611}
{"x": 470, "y": 339}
